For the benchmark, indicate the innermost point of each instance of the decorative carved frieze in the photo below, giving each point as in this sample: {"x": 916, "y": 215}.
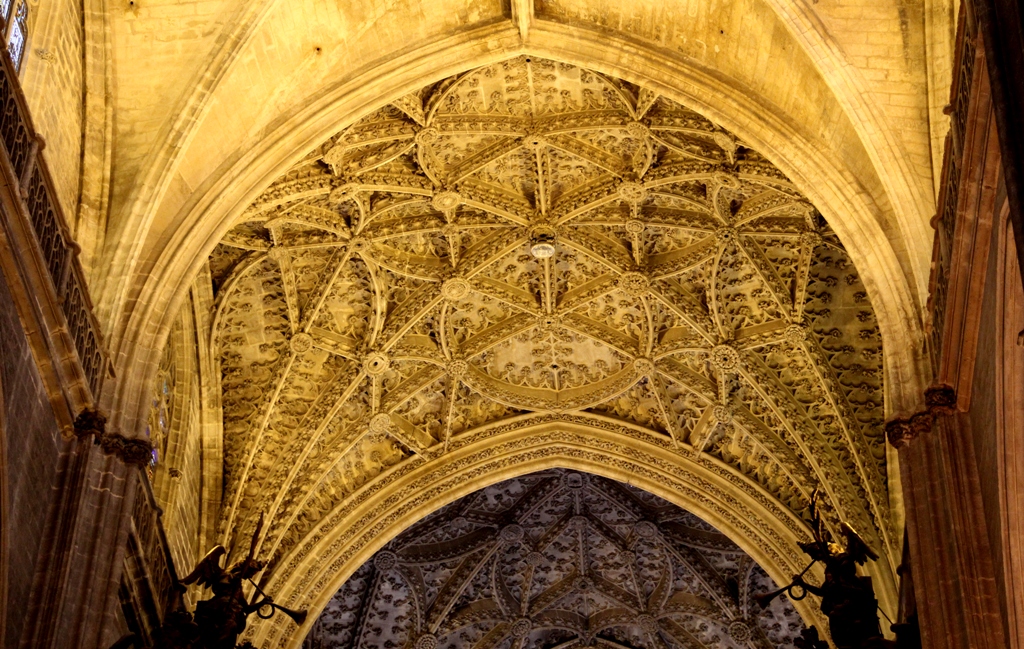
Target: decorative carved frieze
{"x": 90, "y": 422}
{"x": 130, "y": 450}
{"x": 940, "y": 401}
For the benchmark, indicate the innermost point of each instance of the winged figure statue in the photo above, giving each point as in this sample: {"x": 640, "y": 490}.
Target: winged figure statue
{"x": 848, "y": 599}
{"x": 218, "y": 621}
{"x": 221, "y": 619}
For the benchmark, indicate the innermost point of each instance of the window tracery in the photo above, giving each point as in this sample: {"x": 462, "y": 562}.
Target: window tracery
{"x": 15, "y": 14}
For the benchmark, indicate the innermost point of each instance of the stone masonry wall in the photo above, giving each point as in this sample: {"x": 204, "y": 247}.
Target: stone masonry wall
{"x": 989, "y": 396}
{"x": 53, "y": 84}
{"x": 32, "y": 442}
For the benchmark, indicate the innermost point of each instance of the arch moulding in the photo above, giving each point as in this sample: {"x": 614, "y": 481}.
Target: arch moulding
{"x": 350, "y": 535}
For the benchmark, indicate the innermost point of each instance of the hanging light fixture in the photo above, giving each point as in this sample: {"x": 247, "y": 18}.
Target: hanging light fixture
{"x": 542, "y": 241}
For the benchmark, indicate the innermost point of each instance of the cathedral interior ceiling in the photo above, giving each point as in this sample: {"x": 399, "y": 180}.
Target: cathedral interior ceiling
{"x": 557, "y": 559}
{"x": 225, "y": 100}
{"x": 390, "y": 294}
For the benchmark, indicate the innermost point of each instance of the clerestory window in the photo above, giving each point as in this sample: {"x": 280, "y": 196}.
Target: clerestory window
{"x": 15, "y": 15}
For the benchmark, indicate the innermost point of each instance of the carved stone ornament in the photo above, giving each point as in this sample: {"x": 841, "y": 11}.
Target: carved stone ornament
{"x": 725, "y": 235}
{"x": 645, "y": 529}
{"x": 278, "y": 255}
{"x": 130, "y": 450}
{"x": 343, "y": 193}
{"x": 796, "y": 334}
{"x": 455, "y": 580}
{"x": 574, "y": 480}
{"x": 385, "y": 560}
{"x": 727, "y": 179}
{"x": 902, "y": 431}
{"x": 634, "y": 284}
{"x": 725, "y": 141}
{"x": 722, "y": 414}
{"x": 740, "y": 631}
{"x": 376, "y": 363}
{"x": 409, "y": 235}
{"x": 521, "y": 627}
{"x": 940, "y": 401}
{"x": 426, "y": 641}
{"x": 380, "y": 423}
{"x": 301, "y": 343}
{"x": 455, "y": 288}
{"x": 512, "y": 533}
{"x": 632, "y": 192}
{"x": 427, "y": 136}
{"x": 724, "y": 357}
{"x": 90, "y": 421}
{"x": 357, "y": 244}
{"x": 638, "y": 130}
{"x": 810, "y": 239}
{"x": 457, "y": 368}
{"x": 444, "y": 201}
{"x": 643, "y": 366}
{"x": 647, "y": 623}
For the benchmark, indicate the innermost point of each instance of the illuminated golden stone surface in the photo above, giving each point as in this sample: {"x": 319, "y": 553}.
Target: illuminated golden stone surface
{"x": 682, "y": 270}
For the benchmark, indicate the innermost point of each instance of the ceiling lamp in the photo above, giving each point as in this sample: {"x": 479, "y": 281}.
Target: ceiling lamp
{"x": 542, "y": 241}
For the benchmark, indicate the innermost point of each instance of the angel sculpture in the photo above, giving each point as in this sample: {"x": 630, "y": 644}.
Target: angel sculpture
{"x": 847, "y": 598}
{"x": 221, "y": 619}
{"x": 218, "y": 621}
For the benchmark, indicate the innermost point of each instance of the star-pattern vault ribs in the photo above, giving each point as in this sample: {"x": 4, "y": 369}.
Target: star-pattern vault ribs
{"x": 381, "y": 299}
{"x": 557, "y": 558}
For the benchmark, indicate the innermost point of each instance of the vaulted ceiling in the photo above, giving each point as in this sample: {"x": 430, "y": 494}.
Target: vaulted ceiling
{"x": 387, "y": 296}
{"x": 557, "y": 559}
{"x": 736, "y": 194}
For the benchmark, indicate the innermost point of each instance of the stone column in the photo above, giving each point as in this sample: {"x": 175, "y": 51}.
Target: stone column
{"x": 75, "y": 602}
{"x": 954, "y": 578}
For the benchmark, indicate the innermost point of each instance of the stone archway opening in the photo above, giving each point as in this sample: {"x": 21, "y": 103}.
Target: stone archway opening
{"x": 390, "y": 504}
{"x": 557, "y": 557}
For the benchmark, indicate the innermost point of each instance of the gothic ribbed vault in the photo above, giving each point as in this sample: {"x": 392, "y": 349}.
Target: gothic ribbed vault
{"x": 557, "y": 559}
{"x": 381, "y": 300}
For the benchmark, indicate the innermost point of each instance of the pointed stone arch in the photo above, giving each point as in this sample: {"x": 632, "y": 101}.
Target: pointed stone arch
{"x": 761, "y": 526}
{"x": 825, "y": 180}
{"x": 830, "y": 184}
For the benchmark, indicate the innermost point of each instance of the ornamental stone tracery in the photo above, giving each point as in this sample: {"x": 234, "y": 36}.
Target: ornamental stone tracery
{"x": 557, "y": 558}
{"x": 381, "y": 299}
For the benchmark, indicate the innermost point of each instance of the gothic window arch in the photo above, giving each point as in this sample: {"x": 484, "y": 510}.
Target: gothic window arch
{"x": 15, "y": 14}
